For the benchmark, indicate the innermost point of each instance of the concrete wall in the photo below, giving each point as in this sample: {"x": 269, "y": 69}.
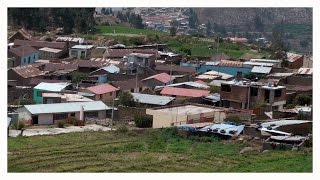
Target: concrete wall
{"x": 165, "y": 119}
{"x": 49, "y": 55}
{"x": 29, "y": 59}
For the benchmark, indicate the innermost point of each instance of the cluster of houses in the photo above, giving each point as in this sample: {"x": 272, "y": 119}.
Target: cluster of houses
{"x": 68, "y": 77}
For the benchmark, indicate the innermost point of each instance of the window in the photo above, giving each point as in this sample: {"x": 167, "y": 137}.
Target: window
{"x": 253, "y": 91}
{"x": 131, "y": 90}
{"x": 93, "y": 114}
{"x": 29, "y": 60}
{"x": 73, "y": 114}
{"x": 266, "y": 96}
{"x": 60, "y": 116}
{"x": 24, "y": 60}
{"x": 277, "y": 93}
{"x": 34, "y": 56}
{"x": 39, "y": 93}
{"x": 225, "y": 88}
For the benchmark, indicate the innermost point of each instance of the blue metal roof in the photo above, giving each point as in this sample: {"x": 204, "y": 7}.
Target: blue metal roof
{"x": 66, "y": 107}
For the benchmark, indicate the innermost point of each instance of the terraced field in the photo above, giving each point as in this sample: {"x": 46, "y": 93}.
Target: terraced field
{"x": 144, "y": 151}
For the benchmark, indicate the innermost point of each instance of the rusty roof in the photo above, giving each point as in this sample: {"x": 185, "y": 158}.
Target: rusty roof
{"x": 41, "y": 44}
{"x": 36, "y": 81}
{"x": 119, "y": 53}
{"x": 51, "y": 67}
{"x": 24, "y": 33}
{"x": 307, "y": 71}
{"x": 28, "y": 71}
{"x": 175, "y": 68}
{"x": 293, "y": 57}
{"x": 23, "y": 50}
{"x": 230, "y": 63}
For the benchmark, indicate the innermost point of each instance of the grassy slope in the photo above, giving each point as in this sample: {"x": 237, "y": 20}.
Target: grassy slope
{"x": 198, "y": 46}
{"x": 150, "y": 151}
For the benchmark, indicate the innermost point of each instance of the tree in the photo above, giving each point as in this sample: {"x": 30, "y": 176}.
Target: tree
{"x": 302, "y": 100}
{"x": 214, "y": 89}
{"x": 278, "y": 46}
{"x": 126, "y": 99}
{"x": 77, "y": 77}
{"x": 187, "y": 51}
{"x": 209, "y": 28}
{"x": 250, "y": 76}
{"x": 304, "y": 116}
{"x": 258, "y": 24}
{"x": 173, "y": 29}
{"x": 193, "y": 19}
{"x": 143, "y": 121}
{"x": 103, "y": 10}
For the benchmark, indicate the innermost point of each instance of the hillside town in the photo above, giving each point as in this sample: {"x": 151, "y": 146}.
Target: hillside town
{"x": 68, "y": 83}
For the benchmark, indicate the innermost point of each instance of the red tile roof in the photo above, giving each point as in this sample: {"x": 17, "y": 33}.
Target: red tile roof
{"x": 162, "y": 77}
{"x": 102, "y": 89}
{"x": 184, "y": 92}
{"x": 23, "y": 50}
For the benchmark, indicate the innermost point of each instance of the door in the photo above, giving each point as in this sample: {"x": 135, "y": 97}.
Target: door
{"x": 34, "y": 120}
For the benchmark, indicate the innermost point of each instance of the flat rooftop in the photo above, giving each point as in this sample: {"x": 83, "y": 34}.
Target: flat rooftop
{"x": 187, "y": 110}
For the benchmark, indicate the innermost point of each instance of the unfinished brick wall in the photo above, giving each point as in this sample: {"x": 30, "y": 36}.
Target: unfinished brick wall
{"x": 127, "y": 113}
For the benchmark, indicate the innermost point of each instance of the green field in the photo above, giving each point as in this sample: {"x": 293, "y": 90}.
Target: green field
{"x": 145, "y": 151}
{"x": 125, "y": 30}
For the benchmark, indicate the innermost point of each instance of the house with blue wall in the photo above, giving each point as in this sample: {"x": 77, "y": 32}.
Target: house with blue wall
{"x": 23, "y": 55}
{"x": 224, "y": 66}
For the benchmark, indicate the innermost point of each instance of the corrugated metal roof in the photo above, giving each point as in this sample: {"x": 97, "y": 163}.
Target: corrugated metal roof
{"x": 102, "y": 88}
{"x": 224, "y": 129}
{"x": 217, "y": 82}
{"x": 261, "y": 70}
{"x": 184, "y": 92}
{"x": 70, "y": 39}
{"x": 23, "y": 50}
{"x": 249, "y": 63}
{"x": 308, "y": 71}
{"x": 280, "y": 74}
{"x": 231, "y": 63}
{"x": 175, "y": 68}
{"x": 189, "y": 83}
{"x": 53, "y": 87}
{"x": 276, "y": 124}
{"x": 152, "y": 99}
{"x": 39, "y": 44}
{"x": 66, "y": 107}
{"x": 82, "y": 47}
{"x": 216, "y": 73}
{"x": 111, "y": 69}
{"x": 50, "y": 50}
{"x": 28, "y": 71}
{"x": 293, "y": 57}
{"x": 213, "y": 97}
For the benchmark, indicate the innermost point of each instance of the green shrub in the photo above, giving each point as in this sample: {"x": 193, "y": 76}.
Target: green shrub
{"x": 143, "y": 121}
{"x": 18, "y": 125}
{"x": 70, "y": 120}
{"x": 123, "y": 129}
{"x": 61, "y": 124}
